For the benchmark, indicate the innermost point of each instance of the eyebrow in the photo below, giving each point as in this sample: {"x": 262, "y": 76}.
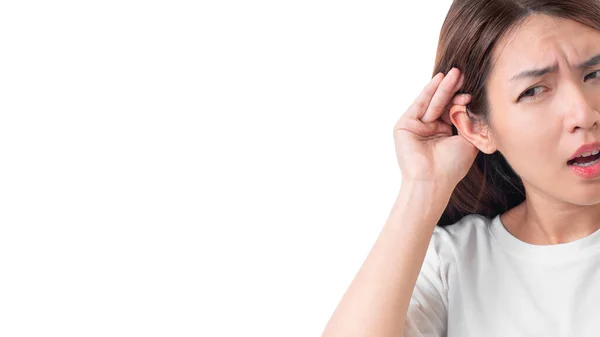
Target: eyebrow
{"x": 535, "y": 73}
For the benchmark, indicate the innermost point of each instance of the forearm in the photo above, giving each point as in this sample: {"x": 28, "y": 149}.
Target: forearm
{"x": 376, "y": 302}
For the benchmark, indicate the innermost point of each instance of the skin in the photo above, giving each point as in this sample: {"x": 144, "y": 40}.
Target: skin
{"x": 540, "y": 133}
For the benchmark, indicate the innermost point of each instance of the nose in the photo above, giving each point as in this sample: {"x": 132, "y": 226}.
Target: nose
{"x": 582, "y": 111}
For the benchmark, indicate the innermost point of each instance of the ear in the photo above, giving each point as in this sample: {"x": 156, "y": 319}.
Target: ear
{"x": 472, "y": 130}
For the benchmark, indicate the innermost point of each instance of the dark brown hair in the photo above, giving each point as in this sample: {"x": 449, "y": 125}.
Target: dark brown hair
{"x": 470, "y": 32}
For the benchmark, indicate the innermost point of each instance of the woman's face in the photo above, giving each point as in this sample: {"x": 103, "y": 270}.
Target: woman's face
{"x": 538, "y": 122}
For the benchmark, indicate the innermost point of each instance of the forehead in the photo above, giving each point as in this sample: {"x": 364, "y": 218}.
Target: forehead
{"x": 541, "y": 41}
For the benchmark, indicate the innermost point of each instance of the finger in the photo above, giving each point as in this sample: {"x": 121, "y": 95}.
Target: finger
{"x": 442, "y": 96}
{"x": 437, "y": 128}
{"x": 461, "y": 81}
{"x": 417, "y": 109}
{"x": 446, "y": 117}
{"x": 461, "y": 99}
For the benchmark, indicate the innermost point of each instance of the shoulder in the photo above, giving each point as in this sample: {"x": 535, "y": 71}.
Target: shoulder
{"x": 470, "y": 231}
{"x": 467, "y": 224}
{"x": 451, "y": 249}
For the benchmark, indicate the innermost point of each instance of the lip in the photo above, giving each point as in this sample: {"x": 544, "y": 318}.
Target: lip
{"x": 588, "y": 172}
{"x": 585, "y": 148}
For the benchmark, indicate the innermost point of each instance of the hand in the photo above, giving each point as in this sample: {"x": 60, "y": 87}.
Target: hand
{"x": 425, "y": 147}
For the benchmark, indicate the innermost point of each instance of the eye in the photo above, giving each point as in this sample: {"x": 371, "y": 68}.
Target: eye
{"x": 529, "y": 91}
{"x": 595, "y": 72}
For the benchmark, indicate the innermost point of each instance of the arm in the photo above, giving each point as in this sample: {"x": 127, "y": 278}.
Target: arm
{"x": 377, "y": 300}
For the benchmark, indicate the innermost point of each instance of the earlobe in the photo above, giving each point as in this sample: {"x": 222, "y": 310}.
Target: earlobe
{"x": 470, "y": 130}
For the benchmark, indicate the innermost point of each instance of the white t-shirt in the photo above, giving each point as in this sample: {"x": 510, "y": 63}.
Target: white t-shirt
{"x": 479, "y": 280}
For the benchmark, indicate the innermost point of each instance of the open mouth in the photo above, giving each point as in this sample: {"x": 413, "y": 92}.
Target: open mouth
{"x": 585, "y": 161}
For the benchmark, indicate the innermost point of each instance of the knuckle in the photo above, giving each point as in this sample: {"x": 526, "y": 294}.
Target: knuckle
{"x": 436, "y": 108}
{"x": 421, "y": 105}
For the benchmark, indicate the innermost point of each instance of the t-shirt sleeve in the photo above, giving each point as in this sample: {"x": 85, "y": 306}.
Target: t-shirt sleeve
{"x": 427, "y": 312}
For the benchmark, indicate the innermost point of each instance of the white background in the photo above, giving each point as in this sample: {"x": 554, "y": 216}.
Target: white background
{"x": 199, "y": 168}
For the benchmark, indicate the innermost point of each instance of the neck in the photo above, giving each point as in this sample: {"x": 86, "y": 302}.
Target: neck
{"x": 549, "y": 223}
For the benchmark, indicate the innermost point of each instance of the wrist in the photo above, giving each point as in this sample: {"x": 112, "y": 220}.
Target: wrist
{"x": 426, "y": 186}
{"x": 427, "y": 194}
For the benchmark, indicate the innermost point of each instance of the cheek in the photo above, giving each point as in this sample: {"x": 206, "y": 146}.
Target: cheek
{"x": 534, "y": 129}
{"x": 519, "y": 135}
{"x": 531, "y": 148}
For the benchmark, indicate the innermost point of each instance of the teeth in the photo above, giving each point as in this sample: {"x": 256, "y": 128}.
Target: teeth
{"x": 587, "y": 154}
{"x": 587, "y": 164}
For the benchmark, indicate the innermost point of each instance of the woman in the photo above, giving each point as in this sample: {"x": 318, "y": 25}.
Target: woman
{"x": 495, "y": 231}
